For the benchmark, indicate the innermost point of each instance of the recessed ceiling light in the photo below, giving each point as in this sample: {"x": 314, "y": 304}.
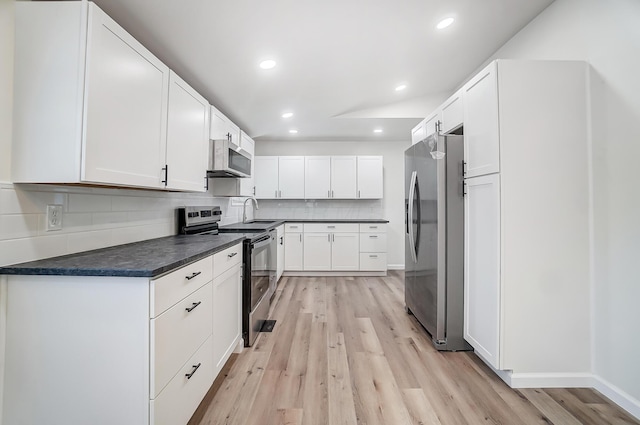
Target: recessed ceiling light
{"x": 293, "y": 131}
{"x": 267, "y": 64}
{"x": 287, "y": 115}
{"x": 401, "y": 87}
{"x": 377, "y": 130}
{"x": 444, "y": 23}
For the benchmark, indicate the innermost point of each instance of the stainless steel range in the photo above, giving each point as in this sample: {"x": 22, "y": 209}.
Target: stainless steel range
{"x": 258, "y": 270}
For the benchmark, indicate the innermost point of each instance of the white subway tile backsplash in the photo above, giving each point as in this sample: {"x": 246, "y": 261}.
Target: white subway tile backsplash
{"x": 28, "y": 249}
{"x": 80, "y": 202}
{"x": 28, "y": 201}
{"x": 103, "y": 218}
{"x": 86, "y": 241}
{"x": 16, "y": 226}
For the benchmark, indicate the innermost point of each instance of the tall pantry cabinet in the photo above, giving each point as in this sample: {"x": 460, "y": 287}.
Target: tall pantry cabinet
{"x": 527, "y": 217}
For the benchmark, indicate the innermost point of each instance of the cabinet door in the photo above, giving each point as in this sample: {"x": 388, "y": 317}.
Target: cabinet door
{"x": 126, "y": 93}
{"x": 432, "y": 123}
{"x": 452, "y": 113}
{"x": 247, "y": 186}
{"x": 227, "y": 314}
{"x": 291, "y": 177}
{"x": 418, "y": 133}
{"x": 345, "y": 251}
{"x": 223, "y": 128}
{"x": 482, "y": 267}
{"x": 293, "y": 251}
{"x": 317, "y": 177}
{"x": 370, "y": 177}
{"x": 187, "y": 137}
{"x": 317, "y": 251}
{"x": 344, "y": 177}
{"x": 266, "y": 176}
{"x": 481, "y": 130}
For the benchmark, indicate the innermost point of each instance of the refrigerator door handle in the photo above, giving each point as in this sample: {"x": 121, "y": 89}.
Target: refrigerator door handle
{"x": 412, "y": 193}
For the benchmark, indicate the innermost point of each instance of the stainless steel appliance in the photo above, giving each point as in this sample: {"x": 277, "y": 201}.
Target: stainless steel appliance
{"x": 228, "y": 160}
{"x": 258, "y": 269}
{"x": 434, "y": 239}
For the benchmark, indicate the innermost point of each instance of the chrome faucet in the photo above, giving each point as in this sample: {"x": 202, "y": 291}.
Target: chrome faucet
{"x": 244, "y": 208}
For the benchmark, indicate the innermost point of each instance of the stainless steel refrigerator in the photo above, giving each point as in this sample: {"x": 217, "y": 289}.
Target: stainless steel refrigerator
{"x": 434, "y": 238}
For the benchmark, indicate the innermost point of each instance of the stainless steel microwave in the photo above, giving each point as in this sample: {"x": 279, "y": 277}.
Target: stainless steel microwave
{"x": 228, "y": 160}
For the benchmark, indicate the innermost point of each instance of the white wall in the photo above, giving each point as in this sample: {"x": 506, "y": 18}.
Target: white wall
{"x": 6, "y": 85}
{"x": 607, "y": 35}
{"x": 390, "y": 208}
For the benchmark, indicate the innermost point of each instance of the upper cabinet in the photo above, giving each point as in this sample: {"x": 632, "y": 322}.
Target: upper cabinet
{"x": 223, "y": 128}
{"x": 418, "y": 133}
{"x": 370, "y": 179}
{"x": 187, "y": 137}
{"x": 452, "y": 113}
{"x": 481, "y": 126}
{"x": 99, "y": 111}
{"x": 319, "y": 177}
{"x": 330, "y": 177}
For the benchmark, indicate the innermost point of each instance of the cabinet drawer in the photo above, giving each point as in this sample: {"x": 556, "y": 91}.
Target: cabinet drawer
{"x": 180, "y": 398}
{"x": 373, "y": 262}
{"x": 331, "y": 227}
{"x": 177, "y": 333}
{"x": 373, "y": 242}
{"x": 373, "y": 227}
{"x": 293, "y": 228}
{"x": 224, "y": 260}
{"x": 171, "y": 288}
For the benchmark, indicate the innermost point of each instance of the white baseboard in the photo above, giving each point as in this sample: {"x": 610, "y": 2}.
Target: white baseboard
{"x": 395, "y": 266}
{"x": 550, "y": 380}
{"x": 239, "y": 346}
{"x": 332, "y": 273}
{"x": 618, "y": 396}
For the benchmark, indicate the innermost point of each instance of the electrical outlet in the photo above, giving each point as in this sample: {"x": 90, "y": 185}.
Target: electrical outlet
{"x": 54, "y": 217}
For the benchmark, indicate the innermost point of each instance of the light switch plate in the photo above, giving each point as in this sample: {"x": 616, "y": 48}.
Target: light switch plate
{"x": 54, "y": 217}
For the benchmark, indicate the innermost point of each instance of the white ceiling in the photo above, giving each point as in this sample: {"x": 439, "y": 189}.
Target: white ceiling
{"x": 338, "y": 61}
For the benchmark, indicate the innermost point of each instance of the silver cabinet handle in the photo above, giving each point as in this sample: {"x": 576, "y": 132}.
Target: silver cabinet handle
{"x": 373, "y": 256}
{"x": 300, "y": 237}
{"x": 276, "y": 194}
{"x": 358, "y": 193}
{"x": 328, "y": 194}
{"x": 194, "y": 274}
{"x": 293, "y": 227}
{"x": 193, "y": 306}
{"x": 373, "y": 227}
{"x": 373, "y": 237}
{"x": 331, "y": 227}
{"x": 233, "y": 254}
{"x": 333, "y": 237}
{"x": 332, "y": 195}
{"x": 280, "y": 194}
{"x": 329, "y": 237}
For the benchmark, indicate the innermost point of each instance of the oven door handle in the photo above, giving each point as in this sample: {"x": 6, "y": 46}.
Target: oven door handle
{"x": 265, "y": 240}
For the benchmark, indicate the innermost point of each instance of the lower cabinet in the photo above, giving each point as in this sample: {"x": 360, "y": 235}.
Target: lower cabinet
{"x": 152, "y": 348}
{"x": 293, "y": 247}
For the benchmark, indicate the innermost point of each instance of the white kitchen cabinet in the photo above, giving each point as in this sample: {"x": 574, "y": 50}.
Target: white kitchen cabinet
{"x": 332, "y": 177}
{"x": 279, "y": 177}
{"x": 317, "y": 251}
{"x": 452, "y": 113}
{"x": 527, "y": 219}
{"x": 317, "y": 177}
{"x": 481, "y": 126}
{"x": 280, "y": 252}
{"x": 245, "y": 186}
{"x": 187, "y": 137}
{"x": 227, "y": 314}
{"x": 266, "y": 177}
{"x": 293, "y": 251}
{"x": 98, "y": 113}
{"x": 482, "y": 266}
{"x": 419, "y": 132}
{"x": 291, "y": 177}
{"x": 344, "y": 178}
{"x": 345, "y": 251}
{"x": 370, "y": 181}
{"x": 222, "y": 128}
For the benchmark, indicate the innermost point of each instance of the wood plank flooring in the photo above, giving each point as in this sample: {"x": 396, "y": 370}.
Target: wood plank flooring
{"x": 344, "y": 352}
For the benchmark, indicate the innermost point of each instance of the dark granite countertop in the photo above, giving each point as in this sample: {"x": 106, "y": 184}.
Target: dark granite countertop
{"x": 148, "y": 258}
{"x": 268, "y": 224}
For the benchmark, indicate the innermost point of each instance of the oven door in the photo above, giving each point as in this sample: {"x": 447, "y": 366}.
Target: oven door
{"x": 228, "y": 160}
{"x": 259, "y": 288}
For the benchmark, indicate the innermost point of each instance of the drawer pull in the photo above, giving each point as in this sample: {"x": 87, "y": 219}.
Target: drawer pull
{"x": 331, "y": 227}
{"x": 373, "y": 227}
{"x": 233, "y": 254}
{"x": 293, "y": 227}
{"x": 194, "y": 274}
{"x": 195, "y": 368}
{"x": 193, "y": 306}
{"x": 373, "y": 256}
{"x": 373, "y": 237}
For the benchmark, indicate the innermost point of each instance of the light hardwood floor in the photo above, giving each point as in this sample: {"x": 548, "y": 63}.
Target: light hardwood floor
{"x": 345, "y": 352}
